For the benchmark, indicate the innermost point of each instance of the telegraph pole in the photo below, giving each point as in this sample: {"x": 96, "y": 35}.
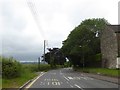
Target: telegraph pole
{"x": 44, "y": 52}
{"x": 38, "y": 63}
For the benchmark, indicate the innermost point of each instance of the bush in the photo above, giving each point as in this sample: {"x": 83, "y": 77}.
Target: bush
{"x": 67, "y": 64}
{"x": 98, "y": 57}
{"x": 30, "y": 67}
{"x": 44, "y": 67}
{"x": 10, "y": 68}
{"x": 35, "y": 68}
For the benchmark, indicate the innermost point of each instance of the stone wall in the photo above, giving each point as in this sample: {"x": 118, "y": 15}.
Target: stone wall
{"x": 109, "y": 48}
{"x": 118, "y": 39}
{"x": 118, "y": 58}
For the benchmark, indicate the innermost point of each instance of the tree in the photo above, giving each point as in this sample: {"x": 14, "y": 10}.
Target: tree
{"x": 55, "y": 57}
{"x": 84, "y": 41}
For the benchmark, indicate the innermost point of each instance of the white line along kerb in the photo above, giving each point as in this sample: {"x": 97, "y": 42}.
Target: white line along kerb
{"x": 35, "y": 80}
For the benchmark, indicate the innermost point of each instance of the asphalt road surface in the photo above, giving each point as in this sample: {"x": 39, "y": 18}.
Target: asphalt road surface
{"x": 67, "y": 78}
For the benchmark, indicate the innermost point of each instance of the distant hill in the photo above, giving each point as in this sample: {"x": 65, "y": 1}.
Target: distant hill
{"x": 32, "y": 62}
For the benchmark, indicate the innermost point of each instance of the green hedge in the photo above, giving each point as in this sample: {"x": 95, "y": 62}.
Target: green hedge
{"x": 34, "y": 67}
{"x": 10, "y": 68}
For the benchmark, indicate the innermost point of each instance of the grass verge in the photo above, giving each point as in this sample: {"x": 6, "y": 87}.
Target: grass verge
{"x": 19, "y": 81}
{"x": 0, "y": 83}
{"x": 101, "y": 71}
{"x": 29, "y": 71}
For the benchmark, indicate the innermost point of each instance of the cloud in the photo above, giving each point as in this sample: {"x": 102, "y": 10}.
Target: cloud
{"x": 119, "y": 12}
{"x": 23, "y": 32}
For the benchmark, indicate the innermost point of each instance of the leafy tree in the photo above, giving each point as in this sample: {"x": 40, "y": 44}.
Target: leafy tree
{"x": 54, "y": 57}
{"x": 84, "y": 41}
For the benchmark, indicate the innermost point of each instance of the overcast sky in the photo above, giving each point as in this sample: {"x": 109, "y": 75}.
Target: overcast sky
{"x": 25, "y": 24}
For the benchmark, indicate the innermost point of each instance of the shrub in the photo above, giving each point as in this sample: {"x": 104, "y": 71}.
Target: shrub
{"x": 67, "y": 64}
{"x": 98, "y": 57}
{"x": 44, "y": 67}
{"x": 35, "y": 68}
{"x": 10, "y": 68}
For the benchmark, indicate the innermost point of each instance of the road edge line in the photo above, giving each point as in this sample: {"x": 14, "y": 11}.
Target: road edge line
{"x": 34, "y": 81}
{"x": 25, "y": 84}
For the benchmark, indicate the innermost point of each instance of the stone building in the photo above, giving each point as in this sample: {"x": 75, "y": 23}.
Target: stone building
{"x": 110, "y": 46}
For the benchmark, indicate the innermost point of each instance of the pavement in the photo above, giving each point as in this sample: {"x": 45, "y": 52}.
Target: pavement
{"x": 102, "y": 77}
{"x": 67, "y": 78}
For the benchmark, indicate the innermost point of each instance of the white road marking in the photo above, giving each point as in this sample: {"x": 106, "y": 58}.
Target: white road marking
{"x": 89, "y": 78}
{"x": 42, "y": 83}
{"x": 48, "y": 83}
{"x": 70, "y": 78}
{"x": 54, "y": 83}
{"x": 85, "y": 78}
{"x": 66, "y": 78}
{"x": 59, "y": 83}
{"x": 77, "y": 86}
{"x": 35, "y": 80}
{"x": 55, "y": 80}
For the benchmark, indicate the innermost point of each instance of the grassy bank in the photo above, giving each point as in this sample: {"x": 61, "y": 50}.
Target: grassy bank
{"x": 0, "y": 83}
{"x": 34, "y": 67}
{"x": 26, "y": 74}
{"x": 15, "y": 74}
{"x": 29, "y": 71}
{"x": 102, "y": 71}
{"x": 19, "y": 81}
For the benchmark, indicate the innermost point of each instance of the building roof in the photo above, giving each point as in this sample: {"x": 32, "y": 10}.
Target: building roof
{"x": 116, "y": 28}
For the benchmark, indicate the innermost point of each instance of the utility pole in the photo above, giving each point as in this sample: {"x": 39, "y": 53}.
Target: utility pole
{"x": 44, "y": 52}
{"x": 38, "y": 63}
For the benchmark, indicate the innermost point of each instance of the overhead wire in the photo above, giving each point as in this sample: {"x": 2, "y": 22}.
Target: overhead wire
{"x": 35, "y": 14}
{"x": 34, "y": 11}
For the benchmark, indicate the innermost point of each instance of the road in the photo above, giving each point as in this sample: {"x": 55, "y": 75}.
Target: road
{"x": 67, "y": 78}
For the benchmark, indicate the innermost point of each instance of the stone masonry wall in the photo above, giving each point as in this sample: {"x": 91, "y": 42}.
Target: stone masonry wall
{"x": 109, "y": 48}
